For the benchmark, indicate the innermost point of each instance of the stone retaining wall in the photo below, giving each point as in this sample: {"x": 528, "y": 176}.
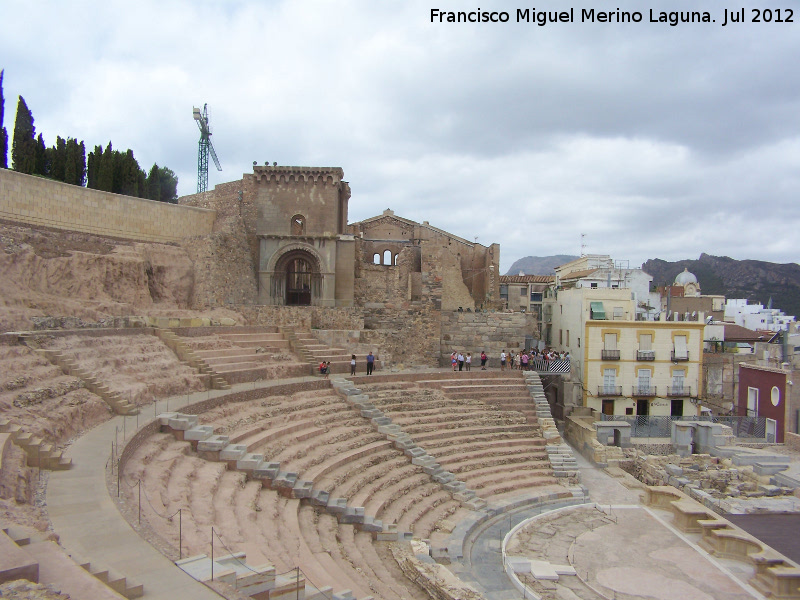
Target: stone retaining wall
{"x": 47, "y": 203}
{"x": 492, "y": 332}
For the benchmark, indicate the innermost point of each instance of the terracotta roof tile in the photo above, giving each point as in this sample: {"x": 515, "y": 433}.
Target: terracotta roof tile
{"x": 527, "y": 278}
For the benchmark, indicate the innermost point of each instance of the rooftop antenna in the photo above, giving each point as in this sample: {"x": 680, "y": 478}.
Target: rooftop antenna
{"x": 204, "y": 148}
{"x": 583, "y": 244}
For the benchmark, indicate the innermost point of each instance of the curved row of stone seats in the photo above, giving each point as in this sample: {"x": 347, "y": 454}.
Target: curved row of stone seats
{"x": 403, "y": 441}
{"x": 250, "y": 518}
{"x": 39, "y": 399}
{"x": 132, "y": 364}
{"x": 246, "y": 518}
{"x": 242, "y": 354}
{"x": 218, "y": 448}
{"x": 492, "y": 450}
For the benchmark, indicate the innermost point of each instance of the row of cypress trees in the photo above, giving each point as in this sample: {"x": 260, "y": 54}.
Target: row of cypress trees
{"x": 105, "y": 168}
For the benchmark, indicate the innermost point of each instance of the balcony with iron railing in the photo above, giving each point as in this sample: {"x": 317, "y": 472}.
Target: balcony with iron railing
{"x": 645, "y": 355}
{"x": 609, "y": 354}
{"x": 644, "y": 391}
{"x": 679, "y": 391}
{"x": 609, "y": 390}
{"x": 681, "y": 356}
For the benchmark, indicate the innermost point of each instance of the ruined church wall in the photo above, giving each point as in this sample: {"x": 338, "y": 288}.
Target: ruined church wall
{"x": 225, "y": 259}
{"x": 491, "y": 332}
{"x": 46, "y": 203}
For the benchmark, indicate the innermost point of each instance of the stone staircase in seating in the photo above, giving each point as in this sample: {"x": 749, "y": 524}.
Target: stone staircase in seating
{"x": 187, "y": 355}
{"x": 118, "y": 404}
{"x": 38, "y": 452}
{"x": 242, "y": 354}
{"x": 403, "y": 441}
{"x": 313, "y": 351}
{"x": 287, "y": 483}
{"x": 461, "y": 434}
{"x": 42, "y": 561}
{"x": 260, "y": 581}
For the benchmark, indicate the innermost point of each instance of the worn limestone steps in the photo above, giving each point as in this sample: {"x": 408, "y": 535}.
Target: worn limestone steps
{"x": 425, "y": 434}
{"x": 314, "y": 351}
{"x": 38, "y": 453}
{"x": 319, "y": 565}
{"x": 43, "y": 561}
{"x": 471, "y": 469}
{"x": 190, "y": 357}
{"x": 118, "y": 404}
{"x": 218, "y": 448}
{"x": 403, "y": 441}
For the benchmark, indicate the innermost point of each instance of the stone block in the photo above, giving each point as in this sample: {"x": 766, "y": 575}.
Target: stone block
{"x": 319, "y": 497}
{"x": 268, "y": 471}
{"x": 213, "y": 444}
{"x": 352, "y": 514}
{"x": 337, "y": 506}
{"x": 250, "y": 462}
{"x": 198, "y": 433}
{"x": 233, "y": 452}
{"x": 415, "y": 452}
{"x": 302, "y": 489}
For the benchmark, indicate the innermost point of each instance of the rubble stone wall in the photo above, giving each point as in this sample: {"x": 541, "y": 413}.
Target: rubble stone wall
{"x": 47, "y": 203}
{"x": 491, "y": 332}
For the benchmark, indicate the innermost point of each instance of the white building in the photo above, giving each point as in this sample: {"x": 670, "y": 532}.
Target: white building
{"x": 755, "y": 316}
{"x": 599, "y": 271}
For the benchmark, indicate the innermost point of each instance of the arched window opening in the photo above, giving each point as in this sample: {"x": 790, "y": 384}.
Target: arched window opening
{"x": 298, "y": 225}
{"x": 387, "y": 257}
{"x": 376, "y": 259}
{"x": 394, "y": 260}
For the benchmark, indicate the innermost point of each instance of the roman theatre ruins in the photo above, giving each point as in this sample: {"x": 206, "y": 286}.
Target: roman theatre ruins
{"x": 165, "y": 431}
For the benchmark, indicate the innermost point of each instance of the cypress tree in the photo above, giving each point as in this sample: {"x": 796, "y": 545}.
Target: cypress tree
{"x": 59, "y": 162}
{"x": 23, "y": 150}
{"x": 43, "y": 158}
{"x": 80, "y": 164}
{"x": 105, "y": 175}
{"x": 3, "y": 132}
{"x": 154, "y": 183}
{"x": 169, "y": 185}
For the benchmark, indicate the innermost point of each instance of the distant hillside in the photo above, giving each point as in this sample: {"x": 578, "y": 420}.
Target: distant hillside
{"x": 539, "y": 265}
{"x": 752, "y": 279}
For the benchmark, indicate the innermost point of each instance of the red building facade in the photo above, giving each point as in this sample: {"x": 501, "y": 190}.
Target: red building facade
{"x": 763, "y": 393}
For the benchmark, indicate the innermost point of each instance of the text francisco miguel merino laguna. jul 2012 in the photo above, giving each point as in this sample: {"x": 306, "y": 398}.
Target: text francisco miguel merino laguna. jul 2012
{"x": 724, "y": 16}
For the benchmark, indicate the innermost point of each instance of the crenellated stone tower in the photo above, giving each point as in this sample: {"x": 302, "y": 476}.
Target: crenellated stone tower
{"x": 305, "y": 255}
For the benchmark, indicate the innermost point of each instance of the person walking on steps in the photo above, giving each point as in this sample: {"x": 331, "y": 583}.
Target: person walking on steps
{"x": 353, "y": 364}
{"x": 484, "y": 358}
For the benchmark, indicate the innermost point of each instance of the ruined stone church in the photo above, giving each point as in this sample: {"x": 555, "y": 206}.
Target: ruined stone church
{"x": 305, "y": 253}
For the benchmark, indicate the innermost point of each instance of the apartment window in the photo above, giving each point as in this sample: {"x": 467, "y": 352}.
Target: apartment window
{"x": 523, "y": 291}
{"x": 618, "y": 314}
{"x": 645, "y": 351}
{"x": 609, "y": 381}
{"x": 536, "y": 296}
{"x": 678, "y": 381}
{"x": 504, "y": 292}
{"x": 594, "y": 285}
{"x": 560, "y": 337}
{"x": 567, "y": 337}
{"x": 579, "y": 342}
{"x": 681, "y": 352}
{"x": 610, "y": 351}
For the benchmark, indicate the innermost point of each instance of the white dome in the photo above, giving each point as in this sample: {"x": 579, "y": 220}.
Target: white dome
{"x": 685, "y": 278}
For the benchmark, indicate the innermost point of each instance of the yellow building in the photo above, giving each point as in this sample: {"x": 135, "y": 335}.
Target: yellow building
{"x": 625, "y": 366}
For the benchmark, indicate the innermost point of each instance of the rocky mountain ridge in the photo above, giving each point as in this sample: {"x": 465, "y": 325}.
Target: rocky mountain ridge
{"x": 756, "y": 280}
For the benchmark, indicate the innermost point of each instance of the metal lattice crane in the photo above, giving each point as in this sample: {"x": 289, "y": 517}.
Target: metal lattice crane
{"x": 205, "y": 147}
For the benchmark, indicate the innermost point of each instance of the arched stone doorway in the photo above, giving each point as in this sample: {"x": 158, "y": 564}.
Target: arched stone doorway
{"x": 297, "y": 279}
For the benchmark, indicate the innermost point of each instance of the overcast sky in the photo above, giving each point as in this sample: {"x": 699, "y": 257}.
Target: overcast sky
{"x": 653, "y": 140}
